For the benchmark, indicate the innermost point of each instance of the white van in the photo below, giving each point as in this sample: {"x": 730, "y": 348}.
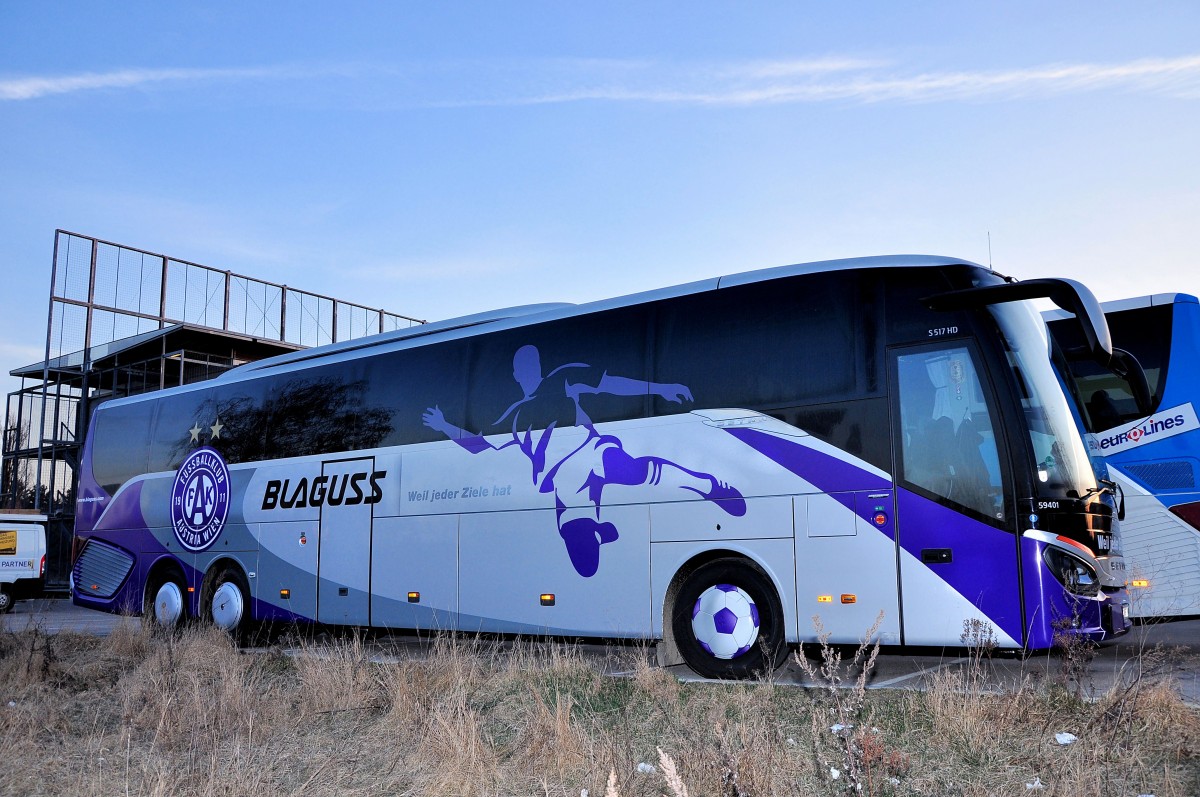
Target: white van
{"x": 22, "y": 556}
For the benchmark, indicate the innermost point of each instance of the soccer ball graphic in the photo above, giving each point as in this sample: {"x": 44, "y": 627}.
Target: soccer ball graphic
{"x": 725, "y": 621}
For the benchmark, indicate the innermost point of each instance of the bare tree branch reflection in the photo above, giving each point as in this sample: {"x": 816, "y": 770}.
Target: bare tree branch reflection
{"x": 302, "y": 416}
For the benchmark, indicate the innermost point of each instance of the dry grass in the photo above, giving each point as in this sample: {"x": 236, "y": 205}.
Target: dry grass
{"x": 144, "y": 712}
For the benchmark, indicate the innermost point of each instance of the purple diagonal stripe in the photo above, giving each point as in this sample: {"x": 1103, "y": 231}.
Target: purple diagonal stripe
{"x": 828, "y": 474}
{"x": 125, "y": 511}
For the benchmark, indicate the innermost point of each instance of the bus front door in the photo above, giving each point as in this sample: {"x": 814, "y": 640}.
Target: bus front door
{"x": 344, "y": 558}
{"x": 957, "y": 553}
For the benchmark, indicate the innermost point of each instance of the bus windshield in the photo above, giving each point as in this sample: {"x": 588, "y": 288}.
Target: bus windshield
{"x": 1060, "y": 456}
{"x": 1105, "y": 399}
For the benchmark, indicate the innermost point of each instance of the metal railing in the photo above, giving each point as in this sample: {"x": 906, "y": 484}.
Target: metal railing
{"x": 102, "y": 291}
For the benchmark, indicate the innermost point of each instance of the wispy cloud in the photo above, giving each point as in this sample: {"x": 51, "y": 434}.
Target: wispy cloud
{"x": 1177, "y": 76}
{"x": 794, "y": 68}
{"x": 557, "y": 81}
{"x": 32, "y": 88}
{"x": 872, "y": 82}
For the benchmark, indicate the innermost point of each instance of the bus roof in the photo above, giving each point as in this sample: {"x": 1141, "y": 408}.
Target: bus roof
{"x": 1134, "y": 303}
{"x": 474, "y": 324}
{"x": 423, "y": 330}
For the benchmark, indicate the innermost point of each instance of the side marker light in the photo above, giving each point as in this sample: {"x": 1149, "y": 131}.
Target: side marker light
{"x": 824, "y": 599}
{"x": 1141, "y": 583}
{"x": 414, "y": 597}
{"x": 547, "y": 599}
{"x": 285, "y": 594}
{"x": 849, "y": 598}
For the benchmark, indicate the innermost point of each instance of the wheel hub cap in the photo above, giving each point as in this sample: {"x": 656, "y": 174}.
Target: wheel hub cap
{"x": 725, "y": 621}
{"x": 227, "y": 606}
{"x": 168, "y": 604}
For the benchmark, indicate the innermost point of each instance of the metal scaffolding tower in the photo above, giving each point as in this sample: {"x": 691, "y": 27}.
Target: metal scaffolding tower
{"x": 124, "y": 321}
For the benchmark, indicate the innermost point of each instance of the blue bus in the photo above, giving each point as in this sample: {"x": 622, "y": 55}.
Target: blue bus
{"x": 707, "y": 466}
{"x": 1151, "y": 451}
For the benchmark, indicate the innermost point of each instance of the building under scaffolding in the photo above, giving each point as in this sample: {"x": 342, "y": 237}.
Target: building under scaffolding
{"x": 124, "y": 321}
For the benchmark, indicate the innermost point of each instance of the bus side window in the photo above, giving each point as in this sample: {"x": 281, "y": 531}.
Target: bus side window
{"x": 948, "y": 444}
{"x": 241, "y": 409}
{"x": 119, "y": 445}
{"x": 802, "y": 341}
{"x": 180, "y": 425}
{"x": 558, "y": 355}
{"x": 323, "y": 411}
{"x": 401, "y": 386}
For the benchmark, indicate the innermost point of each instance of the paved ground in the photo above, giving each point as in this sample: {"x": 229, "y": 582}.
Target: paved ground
{"x": 1161, "y": 651}
{"x": 54, "y": 615}
{"x": 1164, "y": 650}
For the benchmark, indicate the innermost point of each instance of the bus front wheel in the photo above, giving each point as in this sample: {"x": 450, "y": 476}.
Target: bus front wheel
{"x": 727, "y": 621}
{"x": 6, "y": 600}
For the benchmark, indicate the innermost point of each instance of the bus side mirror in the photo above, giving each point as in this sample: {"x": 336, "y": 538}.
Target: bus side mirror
{"x": 1072, "y": 296}
{"x": 1126, "y": 366}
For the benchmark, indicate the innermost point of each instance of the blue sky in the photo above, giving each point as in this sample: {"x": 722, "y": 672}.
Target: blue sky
{"x": 441, "y": 159}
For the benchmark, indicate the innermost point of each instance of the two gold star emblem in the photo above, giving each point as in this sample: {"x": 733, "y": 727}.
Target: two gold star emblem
{"x": 215, "y": 429}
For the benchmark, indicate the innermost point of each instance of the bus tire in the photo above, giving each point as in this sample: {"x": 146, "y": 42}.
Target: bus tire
{"x": 6, "y": 599}
{"x": 167, "y": 599}
{"x": 762, "y": 653}
{"x": 229, "y": 606}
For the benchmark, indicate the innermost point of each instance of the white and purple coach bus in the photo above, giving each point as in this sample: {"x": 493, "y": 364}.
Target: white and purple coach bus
{"x": 708, "y": 465}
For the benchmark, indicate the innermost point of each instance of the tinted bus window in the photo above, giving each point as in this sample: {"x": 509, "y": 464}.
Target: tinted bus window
{"x": 323, "y": 411}
{"x": 774, "y": 344}
{"x": 119, "y": 444}
{"x": 181, "y": 423}
{"x": 558, "y": 367}
{"x": 403, "y": 385}
{"x": 947, "y": 441}
{"x": 241, "y": 409}
{"x": 856, "y": 427}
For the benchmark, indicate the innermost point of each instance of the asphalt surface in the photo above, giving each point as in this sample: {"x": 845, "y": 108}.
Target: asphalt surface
{"x": 1168, "y": 651}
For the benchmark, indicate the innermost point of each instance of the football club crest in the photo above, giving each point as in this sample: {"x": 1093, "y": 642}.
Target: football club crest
{"x": 200, "y": 499}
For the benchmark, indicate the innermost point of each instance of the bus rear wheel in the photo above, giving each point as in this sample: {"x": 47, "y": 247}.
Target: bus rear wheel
{"x": 229, "y": 607}
{"x": 6, "y": 600}
{"x": 728, "y": 622}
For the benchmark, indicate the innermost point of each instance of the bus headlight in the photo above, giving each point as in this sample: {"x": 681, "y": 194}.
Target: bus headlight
{"x": 1076, "y": 575}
